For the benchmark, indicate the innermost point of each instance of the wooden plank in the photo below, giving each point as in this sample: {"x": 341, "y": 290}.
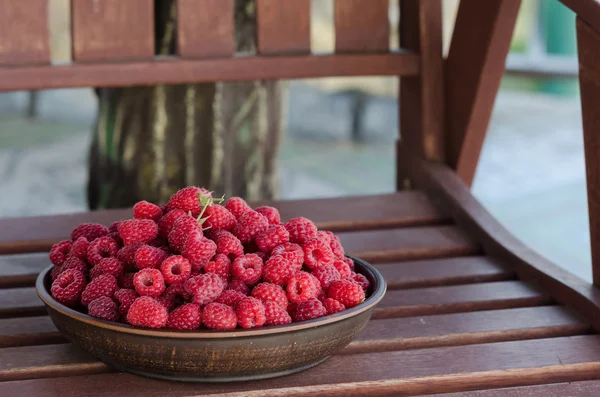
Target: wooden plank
{"x": 362, "y": 26}
{"x": 403, "y": 373}
{"x": 283, "y": 27}
{"x": 474, "y": 69}
{"x": 576, "y": 389}
{"x": 21, "y": 270}
{"x": 205, "y": 28}
{"x": 347, "y": 213}
{"x": 587, "y": 10}
{"x": 111, "y": 30}
{"x": 28, "y": 331}
{"x": 20, "y": 302}
{"x": 24, "y": 32}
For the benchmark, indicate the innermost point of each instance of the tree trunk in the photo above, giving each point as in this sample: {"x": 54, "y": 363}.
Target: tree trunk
{"x": 151, "y": 141}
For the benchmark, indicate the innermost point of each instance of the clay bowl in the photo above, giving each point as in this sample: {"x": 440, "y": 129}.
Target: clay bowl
{"x": 211, "y": 356}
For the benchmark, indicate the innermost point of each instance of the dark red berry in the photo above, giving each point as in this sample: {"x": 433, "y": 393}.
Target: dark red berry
{"x": 274, "y": 236}
{"x": 301, "y": 287}
{"x": 292, "y": 252}
{"x": 221, "y": 266}
{"x": 275, "y": 314}
{"x": 125, "y": 297}
{"x": 138, "y": 231}
{"x": 59, "y": 252}
{"x": 347, "y": 292}
{"x": 187, "y": 317}
{"x": 238, "y": 285}
{"x": 247, "y": 268}
{"x": 198, "y": 250}
{"x": 218, "y": 218}
{"x": 250, "y": 225}
{"x": 79, "y": 248}
{"x": 267, "y": 292}
{"x": 107, "y": 266}
{"x": 326, "y": 275}
{"x": 228, "y": 244}
{"x": 182, "y": 229}
{"x": 90, "y": 231}
{"x": 189, "y": 200}
{"x": 103, "y": 285}
{"x": 146, "y": 210}
{"x": 270, "y": 213}
{"x": 219, "y": 317}
{"x": 278, "y": 270}
{"x": 333, "y": 306}
{"x": 230, "y": 297}
{"x": 309, "y": 310}
{"x": 176, "y": 269}
{"x": 104, "y": 308}
{"x": 100, "y": 248}
{"x": 204, "y": 288}
{"x": 147, "y": 312}
{"x": 250, "y": 313}
{"x": 301, "y": 230}
{"x": 237, "y": 206}
{"x": 317, "y": 253}
{"x": 68, "y": 287}
{"x": 149, "y": 282}
{"x": 166, "y": 223}
{"x": 148, "y": 257}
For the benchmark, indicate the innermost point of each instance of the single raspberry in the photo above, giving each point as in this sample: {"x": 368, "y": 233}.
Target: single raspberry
{"x": 309, "y": 310}
{"x": 149, "y": 282}
{"x": 270, "y": 213}
{"x": 335, "y": 245}
{"x": 103, "y": 285}
{"x": 90, "y": 231}
{"x": 107, "y": 266}
{"x": 182, "y": 229}
{"x": 333, "y": 306}
{"x": 126, "y": 256}
{"x": 104, "y": 308}
{"x": 218, "y": 218}
{"x": 272, "y": 237}
{"x": 204, "y": 288}
{"x": 148, "y": 257}
{"x": 322, "y": 235}
{"x": 59, "y": 252}
{"x": 187, "y": 317}
{"x": 100, "y": 248}
{"x": 317, "y": 253}
{"x": 349, "y": 262}
{"x": 189, "y": 199}
{"x": 275, "y": 314}
{"x": 250, "y": 313}
{"x": 219, "y": 317}
{"x": 147, "y": 312}
{"x": 175, "y": 269}
{"x": 248, "y": 268}
{"x": 322, "y": 296}
{"x": 117, "y": 237}
{"x": 360, "y": 280}
{"x": 238, "y": 285}
{"x": 221, "y": 266}
{"x": 228, "y": 244}
{"x": 292, "y": 252}
{"x": 347, "y": 292}
{"x": 342, "y": 268}
{"x": 67, "y": 288}
{"x": 79, "y": 248}
{"x": 301, "y": 287}
{"x": 114, "y": 227}
{"x": 278, "y": 270}
{"x": 146, "y": 210}
{"x": 125, "y": 280}
{"x": 125, "y": 297}
{"x": 176, "y": 294}
{"x": 237, "y": 206}
{"x": 138, "y": 231}
{"x": 70, "y": 263}
{"x": 250, "y": 225}
{"x": 166, "y": 223}
{"x": 230, "y": 297}
{"x": 267, "y": 292}
{"x": 326, "y": 275}
{"x": 317, "y": 283}
{"x": 198, "y": 250}
{"x": 301, "y": 230}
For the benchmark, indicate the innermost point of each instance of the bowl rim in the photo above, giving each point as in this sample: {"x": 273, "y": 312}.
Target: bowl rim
{"x": 379, "y": 289}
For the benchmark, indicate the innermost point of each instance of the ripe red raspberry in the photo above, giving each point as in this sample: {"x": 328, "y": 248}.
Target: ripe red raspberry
{"x": 79, "y": 248}
{"x": 146, "y": 210}
{"x": 301, "y": 287}
{"x": 275, "y": 314}
{"x": 292, "y": 252}
{"x": 147, "y": 312}
{"x": 182, "y": 229}
{"x": 326, "y": 275}
{"x": 347, "y": 292}
{"x": 100, "y": 248}
{"x": 272, "y": 237}
{"x": 342, "y": 268}
{"x": 237, "y": 206}
{"x": 267, "y": 292}
{"x": 166, "y": 223}
{"x": 360, "y": 280}
{"x": 230, "y": 297}
{"x": 333, "y": 306}
{"x": 104, "y": 308}
{"x": 228, "y": 244}
{"x": 301, "y": 230}
{"x": 270, "y": 213}
{"x": 335, "y": 245}
{"x": 148, "y": 257}
{"x": 310, "y": 309}
{"x": 125, "y": 280}
{"x": 349, "y": 262}
{"x": 248, "y": 268}
{"x": 322, "y": 296}
{"x": 176, "y": 269}
{"x": 67, "y": 288}
{"x": 189, "y": 199}
{"x": 250, "y": 313}
{"x": 250, "y": 225}
{"x": 198, "y": 250}
{"x": 59, "y": 252}
{"x": 317, "y": 253}
{"x": 126, "y": 256}
{"x": 90, "y": 231}
{"x": 138, "y": 231}
{"x": 125, "y": 297}
{"x": 322, "y": 235}
{"x": 103, "y": 285}
{"x": 107, "y": 266}
{"x": 114, "y": 227}
{"x": 278, "y": 270}
{"x": 117, "y": 237}
{"x": 238, "y": 285}
{"x": 149, "y": 282}
{"x": 221, "y": 266}
{"x": 177, "y": 294}
{"x": 204, "y": 288}
{"x": 187, "y": 317}
{"x": 218, "y": 218}
{"x": 219, "y": 317}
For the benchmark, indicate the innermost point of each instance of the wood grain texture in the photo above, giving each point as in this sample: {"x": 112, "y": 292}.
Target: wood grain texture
{"x": 28, "y": 331}
{"x": 283, "y": 27}
{"x": 575, "y": 389}
{"x": 21, "y": 270}
{"x": 361, "y": 26}
{"x": 205, "y": 28}
{"x": 110, "y": 30}
{"x": 24, "y": 32}
{"x": 474, "y": 69}
{"x": 20, "y": 302}
{"x": 403, "y": 373}
{"x": 587, "y": 10}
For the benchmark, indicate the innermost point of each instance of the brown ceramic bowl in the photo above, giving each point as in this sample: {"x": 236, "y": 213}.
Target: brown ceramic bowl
{"x": 212, "y": 356}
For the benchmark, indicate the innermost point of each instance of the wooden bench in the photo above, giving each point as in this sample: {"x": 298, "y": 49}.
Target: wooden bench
{"x": 470, "y": 311}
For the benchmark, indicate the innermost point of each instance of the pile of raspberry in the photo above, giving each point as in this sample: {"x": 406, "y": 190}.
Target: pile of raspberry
{"x": 194, "y": 263}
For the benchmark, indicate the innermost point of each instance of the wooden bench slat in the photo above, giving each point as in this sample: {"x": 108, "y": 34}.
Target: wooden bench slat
{"x": 24, "y": 32}
{"x": 362, "y": 25}
{"x": 575, "y": 389}
{"x": 283, "y": 27}
{"x": 21, "y": 270}
{"x": 205, "y": 28}
{"x": 20, "y": 302}
{"x": 28, "y": 331}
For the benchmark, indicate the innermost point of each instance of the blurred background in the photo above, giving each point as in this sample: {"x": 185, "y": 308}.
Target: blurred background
{"x": 339, "y": 135}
